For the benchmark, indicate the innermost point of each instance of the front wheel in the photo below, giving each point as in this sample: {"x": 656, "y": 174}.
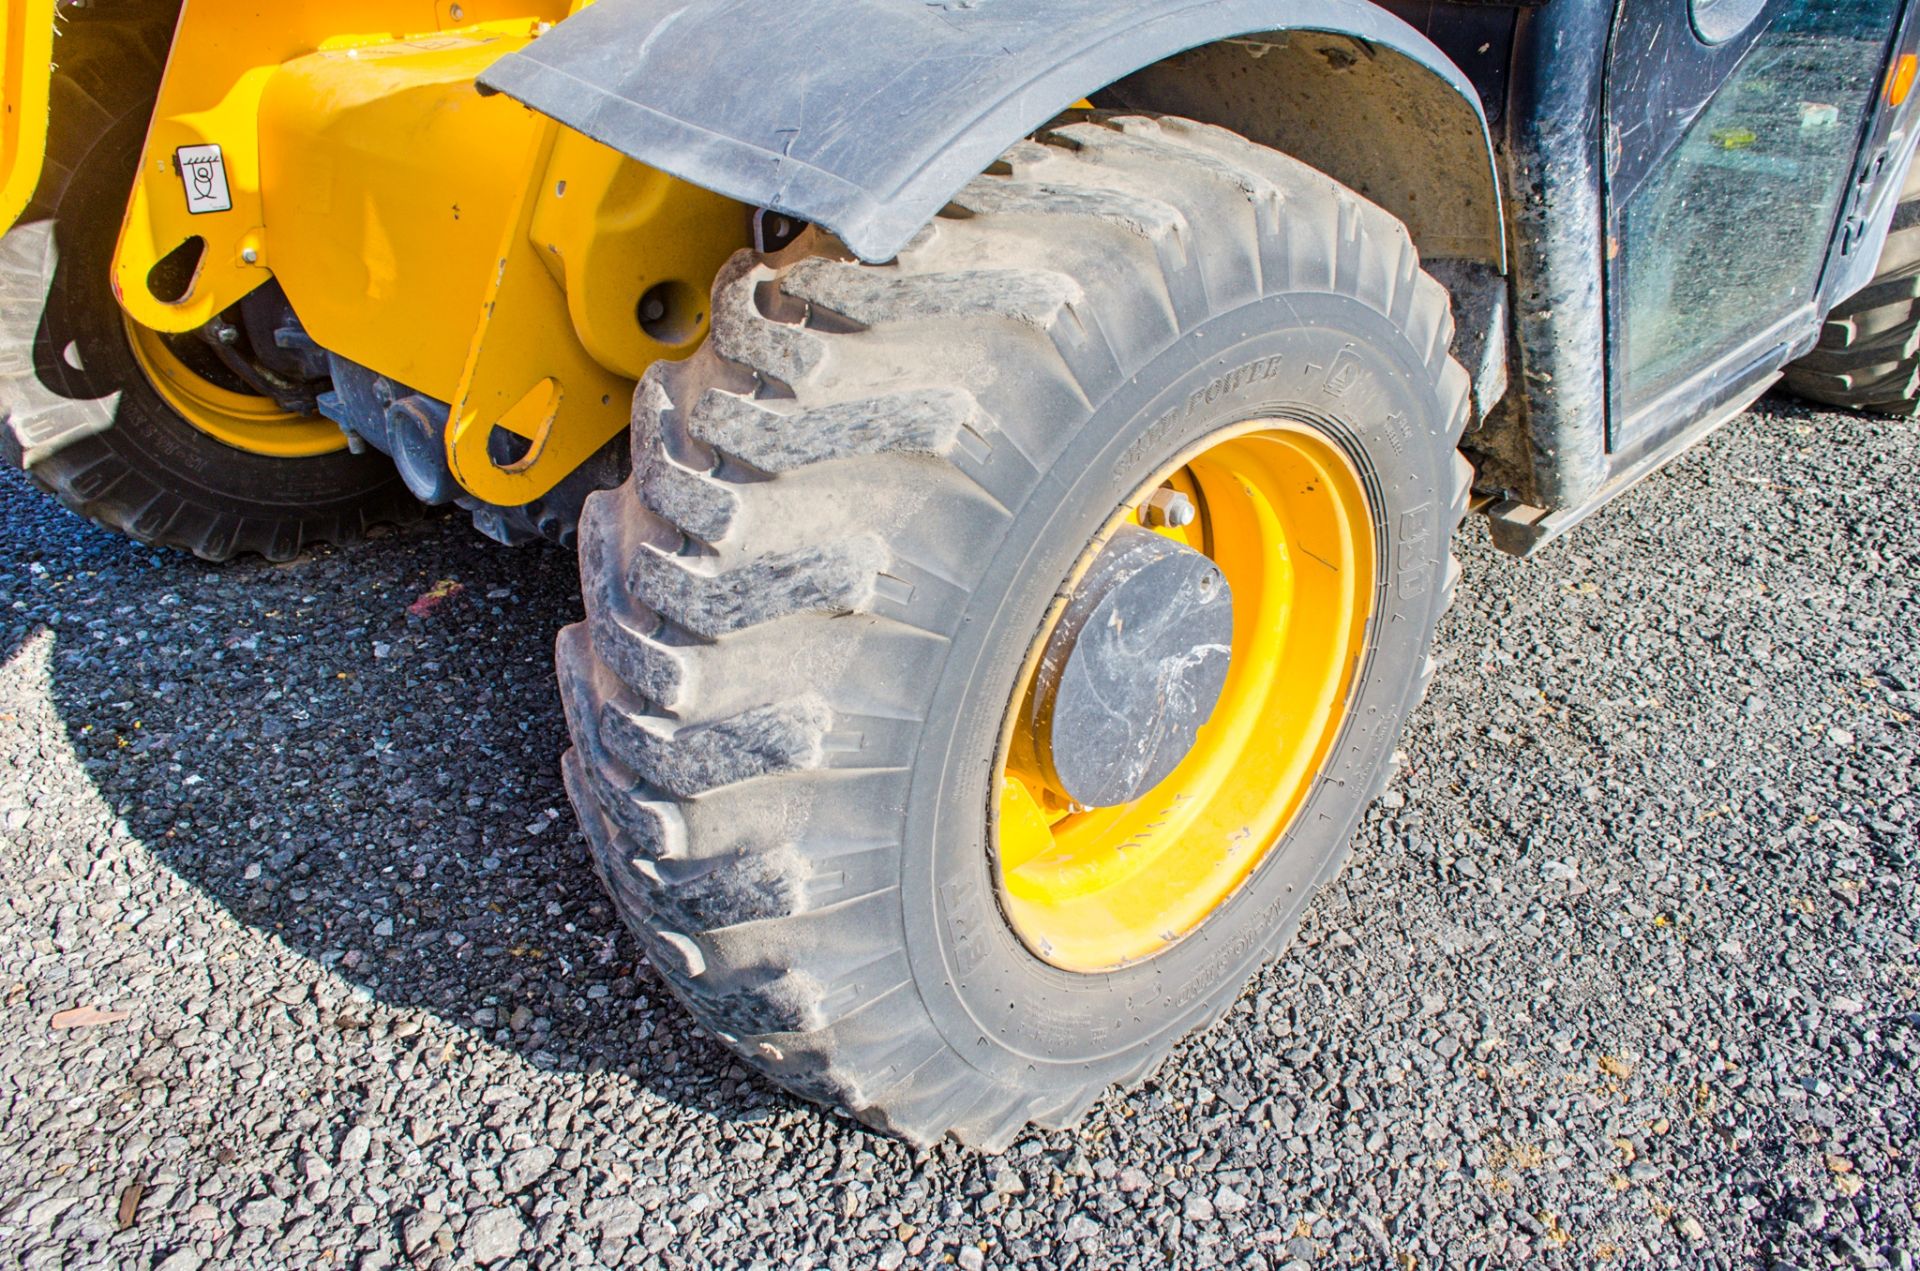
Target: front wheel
{"x": 994, "y": 650}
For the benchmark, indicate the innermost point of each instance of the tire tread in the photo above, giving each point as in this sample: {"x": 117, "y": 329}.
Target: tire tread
{"x": 691, "y": 563}
{"x": 1868, "y": 354}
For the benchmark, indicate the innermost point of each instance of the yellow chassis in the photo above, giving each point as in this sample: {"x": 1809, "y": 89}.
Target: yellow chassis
{"x": 26, "y": 53}
{"x": 460, "y": 245}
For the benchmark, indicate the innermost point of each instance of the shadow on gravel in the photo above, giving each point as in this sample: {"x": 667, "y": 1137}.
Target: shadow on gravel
{"x": 1622, "y": 973}
{"x": 357, "y": 754}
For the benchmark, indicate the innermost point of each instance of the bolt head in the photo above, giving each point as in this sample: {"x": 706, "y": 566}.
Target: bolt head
{"x": 1167, "y": 508}
{"x": 251, "y": 256}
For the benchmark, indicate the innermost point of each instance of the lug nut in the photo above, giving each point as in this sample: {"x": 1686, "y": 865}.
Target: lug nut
{"x": 1167, "y": 508}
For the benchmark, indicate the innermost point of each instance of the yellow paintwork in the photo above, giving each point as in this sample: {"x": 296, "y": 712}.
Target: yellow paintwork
{"x": 241, "y": 420}
{"x": 547, "y": 390}
{"x": 591, "y": 233}
{"x": 608, "y": 229}
{"x": 389, "y": 186}
{"x": 456, "y": 244}
{"x": 1284, "y": 515}
{"x": 26, "y": 74}
{"x": 225, "y": 52}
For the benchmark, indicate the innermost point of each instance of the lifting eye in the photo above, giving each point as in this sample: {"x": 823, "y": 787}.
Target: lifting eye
{"x": 170, "y": 281}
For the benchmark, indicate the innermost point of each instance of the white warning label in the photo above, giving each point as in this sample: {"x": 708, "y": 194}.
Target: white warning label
{"x": 204, "y": 172}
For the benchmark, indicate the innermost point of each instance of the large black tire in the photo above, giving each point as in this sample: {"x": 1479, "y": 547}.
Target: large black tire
{"x": 848, "y": 516}
{"x": 1868, "y": 357}
{"x": 81, "y": 416}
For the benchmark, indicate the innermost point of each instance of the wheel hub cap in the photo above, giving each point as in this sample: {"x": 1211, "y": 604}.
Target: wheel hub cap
{"x": 1145, "y": 774}
{"x": 1132, "y": 670}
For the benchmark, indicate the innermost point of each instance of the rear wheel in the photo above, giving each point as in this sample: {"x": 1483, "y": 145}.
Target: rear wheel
{"x": 1868, "y": 357}
{"x": 150, "y": 434}
{"x": 993, "y": 651}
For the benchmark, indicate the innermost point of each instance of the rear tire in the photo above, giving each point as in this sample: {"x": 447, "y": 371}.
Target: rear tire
{"x": 81, "y": 416}
{"x": 1868, "y": 357}
{"x": 850, "y": 513}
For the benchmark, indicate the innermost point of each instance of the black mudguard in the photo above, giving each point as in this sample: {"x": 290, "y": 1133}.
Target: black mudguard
{"x": 866, "y": 116}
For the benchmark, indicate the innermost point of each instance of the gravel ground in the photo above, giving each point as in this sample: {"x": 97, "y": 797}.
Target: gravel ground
{"x": 1623, "y": 973}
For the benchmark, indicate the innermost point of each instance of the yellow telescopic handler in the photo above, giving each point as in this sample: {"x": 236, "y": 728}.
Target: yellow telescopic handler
{"x": 1012, "y": 447}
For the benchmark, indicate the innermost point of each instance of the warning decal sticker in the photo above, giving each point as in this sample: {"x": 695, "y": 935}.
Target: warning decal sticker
{"x": 205, "y": 174}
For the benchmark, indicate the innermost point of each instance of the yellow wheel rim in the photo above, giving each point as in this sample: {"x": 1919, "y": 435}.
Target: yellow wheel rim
{"x": 1283, "y": 514}
{"x": 257, "y": 425}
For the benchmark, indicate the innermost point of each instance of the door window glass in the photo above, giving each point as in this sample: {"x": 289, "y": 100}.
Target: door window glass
{"x": 1731, "y": 230}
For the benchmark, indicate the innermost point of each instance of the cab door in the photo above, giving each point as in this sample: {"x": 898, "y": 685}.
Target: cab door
{"x": 1735, "y": 136}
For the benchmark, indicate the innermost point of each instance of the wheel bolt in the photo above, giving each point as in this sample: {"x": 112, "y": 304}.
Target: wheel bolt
{"x": 1167, "y": 508}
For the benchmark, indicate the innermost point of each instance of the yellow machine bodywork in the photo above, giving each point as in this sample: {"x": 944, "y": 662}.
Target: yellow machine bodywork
{"x": 458, "y": 244}
{"x": 26, "y": 58}
{"x": 388, "y": 184}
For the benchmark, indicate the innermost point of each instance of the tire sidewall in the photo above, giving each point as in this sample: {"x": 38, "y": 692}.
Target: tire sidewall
{"x": 1324, "y": 360}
